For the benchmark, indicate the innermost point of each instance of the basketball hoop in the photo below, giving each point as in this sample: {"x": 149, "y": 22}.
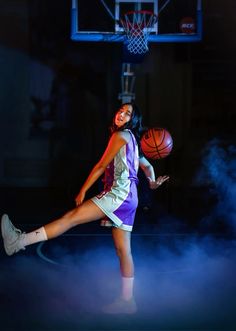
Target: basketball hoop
{"x": 137, "y": 25}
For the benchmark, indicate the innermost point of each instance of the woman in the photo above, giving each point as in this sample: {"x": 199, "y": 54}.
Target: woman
{"x": 116, "y": 205}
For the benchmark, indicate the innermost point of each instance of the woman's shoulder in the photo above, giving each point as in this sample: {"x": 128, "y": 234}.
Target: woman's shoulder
{"x": 123, "y": 134}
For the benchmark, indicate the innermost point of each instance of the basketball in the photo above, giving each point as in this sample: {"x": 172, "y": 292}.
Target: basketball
{"x": 156, "y": 143}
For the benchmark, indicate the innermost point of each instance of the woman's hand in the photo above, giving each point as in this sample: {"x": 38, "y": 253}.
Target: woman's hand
{"x": 154, "y": 184}
{"x": 80, "y": 198}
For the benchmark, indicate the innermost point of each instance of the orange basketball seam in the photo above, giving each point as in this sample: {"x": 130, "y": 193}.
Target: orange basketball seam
{"x": 155, "y": 143}
{"x": 164, "y": 133}
{"x": 148, "y": 144}
{"x": 167, "y": 146}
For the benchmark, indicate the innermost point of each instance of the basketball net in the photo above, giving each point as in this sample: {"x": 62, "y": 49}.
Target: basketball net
{"x": 137, "y": 26}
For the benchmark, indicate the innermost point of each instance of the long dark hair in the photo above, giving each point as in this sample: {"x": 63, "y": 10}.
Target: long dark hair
{"x": 135, "y": 124}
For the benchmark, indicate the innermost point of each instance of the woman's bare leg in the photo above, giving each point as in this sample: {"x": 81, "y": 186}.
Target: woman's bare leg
{"x": 122, "y": 242}
{"x": 85, "y": 213}
{"x": 126, "y": 303}
{"x": 14, "y": 240}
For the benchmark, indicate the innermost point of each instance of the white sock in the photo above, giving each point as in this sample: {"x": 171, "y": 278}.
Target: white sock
{"x": 34, "y": 237}
{"x": 127, "y": 287}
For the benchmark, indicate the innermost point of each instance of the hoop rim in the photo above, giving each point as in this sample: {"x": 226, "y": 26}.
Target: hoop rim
{"x": 137, "y": 25}
{"x": 149, "y": 12}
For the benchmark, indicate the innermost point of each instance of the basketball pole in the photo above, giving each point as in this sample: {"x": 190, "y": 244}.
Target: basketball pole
{"x": 127, "y": 83}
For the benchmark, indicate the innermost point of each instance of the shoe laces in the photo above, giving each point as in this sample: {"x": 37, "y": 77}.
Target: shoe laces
{"x": 19, "y": 243}
{"x": 18, "y": 233}
{"x": 14, "y": 229}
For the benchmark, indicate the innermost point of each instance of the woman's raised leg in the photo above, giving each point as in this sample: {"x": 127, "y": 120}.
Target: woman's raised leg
{"x": 85, "y": 213}
{"x": 14, "y": 240}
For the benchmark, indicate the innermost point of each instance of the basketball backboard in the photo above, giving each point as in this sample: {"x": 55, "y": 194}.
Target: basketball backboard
{"x": 99, "y": 20}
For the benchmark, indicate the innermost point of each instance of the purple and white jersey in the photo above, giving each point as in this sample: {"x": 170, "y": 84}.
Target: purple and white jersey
{"x": 119, "y": 198}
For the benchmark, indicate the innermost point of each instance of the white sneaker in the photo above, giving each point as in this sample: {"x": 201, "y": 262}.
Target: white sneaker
{"x": 11, "y": 236}
{"x": 121, "y": 306}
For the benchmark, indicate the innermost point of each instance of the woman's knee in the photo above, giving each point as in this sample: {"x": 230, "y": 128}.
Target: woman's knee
{"x": 72, "y": 217}
{"x": 123, "y": 251}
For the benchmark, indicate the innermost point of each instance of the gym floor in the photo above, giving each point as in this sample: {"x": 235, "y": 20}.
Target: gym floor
{"x": 185, "y": 279}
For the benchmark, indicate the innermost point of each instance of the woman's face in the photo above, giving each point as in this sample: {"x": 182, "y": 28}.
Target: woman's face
{"x": 123, "y": 115}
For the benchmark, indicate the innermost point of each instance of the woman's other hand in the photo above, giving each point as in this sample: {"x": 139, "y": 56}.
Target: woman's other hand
{"x": 154, "y": 184}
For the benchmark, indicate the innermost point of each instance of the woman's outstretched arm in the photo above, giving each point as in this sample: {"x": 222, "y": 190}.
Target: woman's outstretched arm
{"x": 149, "y": 172}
